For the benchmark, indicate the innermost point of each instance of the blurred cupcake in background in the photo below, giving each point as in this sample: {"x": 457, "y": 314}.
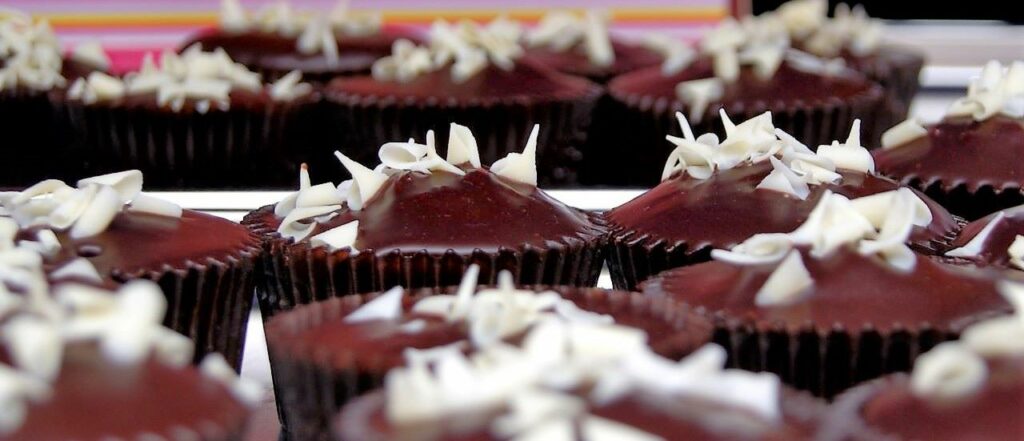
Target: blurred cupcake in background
{"x": 322, "y": 45}
{"x": 970, "y": 160}
{"x": 859, "y": 40}
{"x": 419, "y": 220}
{"x": 745, "y": 68}
{"x": 472, "y": 73}
{"x": 198, "y": 120}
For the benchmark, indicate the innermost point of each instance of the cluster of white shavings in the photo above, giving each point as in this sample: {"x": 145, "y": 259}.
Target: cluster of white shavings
{"x": 852, "y": 29}
{"x": 956, "y": 370}
{"x": 83, "y": 211}
{"x": 563, "y": 349}
{"x": 38, "y": 321}
{"x": 315, "y": 33}
{"x": 795, "y": 167}
{"x": 30, "y": 52}
{"x": 466, "y": 46}
{"x": 208, "y": 78}
{"x": 877, "y": 225}
{"x": 997, "y": 91}
{"x": 303, "y": 210}
{"x": 561, "y": 31}
{"x": 677, "y": 54}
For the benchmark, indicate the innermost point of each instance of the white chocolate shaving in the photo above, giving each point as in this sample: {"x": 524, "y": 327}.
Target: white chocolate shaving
{"x": 520, "y": 167}
{"x": 233, "y": 18}
{"x": 1016, "y": 252}
{"x": 802, "y": 17}
{"x": 365, "y": 182}
{"x": 318, "y": 37}
{"x": 973, "y": 247}
{"x": 91, "y": 53}
{"x": 787, "y": 284}
{"x": 784, "y": 180}
{"x": 289, "y": 87}
{"x": 343, "y": 236}
{"x": 79, "y": 268}
{"x": 850, "y": 155}
{"x": 462, "y": 146}
{"x": 30, "y": 52}
{"x": 677, "y": 54}
{"x": 995, "y": 91}
{"x": 948, "y": 372}
{"x": 387, "y": 306}
{"x": 699, "y": 94}
{"x": 561, "y": 31}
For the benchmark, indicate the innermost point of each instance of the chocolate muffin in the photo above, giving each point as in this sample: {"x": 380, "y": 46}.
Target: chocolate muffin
{"x": 83, "y": 363}
{"x": 857, "y": 39}
{"x": 580, "y": 44}
{"x": 727, "y": 191}
{"x": 321, "y": 45}
{"x": 619, "y": 394}
{"x": 968, "y": 161}
{"x": 106, "y": 231}
{"x": 469, "y": 73}
{"x": 327, "y": 353}
{"x": 744, "y": 70}
{"x": 839, "y": 300}
{"x": 992, "y": 240}
{"x": 200, "y": 120}
{"x": 972, "y": 389}
{"x": 418, "y": 220}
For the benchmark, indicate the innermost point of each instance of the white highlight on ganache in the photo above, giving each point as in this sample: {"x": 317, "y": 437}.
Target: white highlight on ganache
{"x": 877, "y": 225}
{"x": 957, "y": 370}
{"x": 561, "y": 31}
{"x": 314, "y": 32}
{"x": 86, "y": 210}
{"x": 311, "y": 205}
{"x": 564, "y": 348}
{"x": 207, "y": 78}
{"x": 30, "y": 53}
{"x": 467, "y": 47}
{"x": 795, "y": 167}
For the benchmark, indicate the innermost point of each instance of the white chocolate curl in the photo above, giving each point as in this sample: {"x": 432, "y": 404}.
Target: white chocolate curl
{"x": 948, "y": 372}
{"x": 520, "y": 167}
{"x": 561, "y": 31}
{"x": 995, "y": 91}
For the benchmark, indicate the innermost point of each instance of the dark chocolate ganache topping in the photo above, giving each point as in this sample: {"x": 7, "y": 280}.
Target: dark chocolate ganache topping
{"x": 848, "y": 289}
{"x": 961, "y": 151}
{"x": 628, "y": 57}
{"x": 137, "y": 243}
{"x": 525, "y": 80}
{"x": 789, "y": 85}
{"x": 995, "y": 246}
{"x": 993, "y": 413}
{"x": 727, "y": 208}
{"x": 443, "y": 211}
{"x": 94, "y": 400}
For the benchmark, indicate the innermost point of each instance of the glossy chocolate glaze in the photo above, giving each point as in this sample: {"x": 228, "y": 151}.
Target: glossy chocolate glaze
{"x": 138, "y": 243}
{"x": 269, "y": 51}
{"x": 628, "y": 57}
{"x": 443, "y": 211}
{"x": 671, "y": 418}
{"x": 994, "y": 248}
{"x": 318, "y": 330}
{"x": 789, "y": 86}
{"x": 961, "y": 151}
{"x": 95, "y": 400}
{"x": 849, "y": 290}
{"x": 727, "y": 208}
{"x": 992, "y": 414}
{"x": 527, "y": 80}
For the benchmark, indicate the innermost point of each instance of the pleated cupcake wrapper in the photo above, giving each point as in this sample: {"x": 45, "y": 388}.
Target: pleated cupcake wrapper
{"x": 634, "y": 257}
{"x": 311, "y": 385}
{"x": 971, "y": 202}
{"x": 34, "y": 139}
{"x": 635, "y": 150}
{"x": 363, "y": 124}
{"x": 244, "y": 146}
{"x": 209, "y": 302}
{"x": 824, "y": 361}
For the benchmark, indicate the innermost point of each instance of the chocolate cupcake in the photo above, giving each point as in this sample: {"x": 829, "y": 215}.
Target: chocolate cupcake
{"x": 79, "y": 362}
{"x": 322, "y": 46}
{"x": 418, "y": 220}
{"x": 198, "y": 121}
{"x": 968, "y": 161}
{"x": 327, "y": 353}
{"x": 839, "y": 300}
{"x": 996, "y": 240}
{"x": 32, "y": 77}
{"x": 971, "y": 389}
{"x": 858, "y": 40}
{"x": 555, "y": 386}
{"x": 469, "y": 73}
{"x": 757, "y": 180}
{"x": 580, "y": 44}
{"x": 106, "y": 231}
{"x": 744, "y": 70}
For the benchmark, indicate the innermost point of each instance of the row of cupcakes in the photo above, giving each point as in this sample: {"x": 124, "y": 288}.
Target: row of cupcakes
{"x": 787, "y": 296}
{"x": 279, "y": 86}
